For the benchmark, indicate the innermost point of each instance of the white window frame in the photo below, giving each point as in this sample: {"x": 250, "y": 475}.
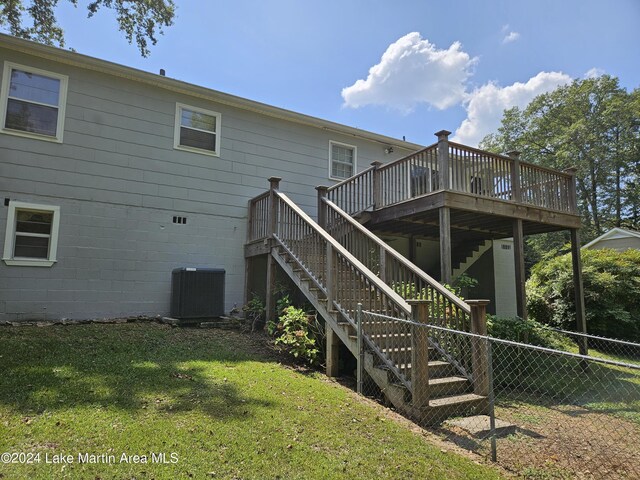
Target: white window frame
{"x": 62, "y": 101}
{"x": 178, "y": 125}
{"x": 10, "y": 235}
{"x": 355, "y": 158}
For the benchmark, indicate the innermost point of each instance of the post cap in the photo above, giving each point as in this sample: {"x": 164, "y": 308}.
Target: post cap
{"x": 418, "y": 301}
{"x": 514, "y": 153}
{"x": 571, "y": 170}
{"x": 442, "y": 134}
{"x": 274, "y": 182}
{"x": 376, "y": 164}
{"x": 478, "y": 303}
{"x": 322, "y": 188}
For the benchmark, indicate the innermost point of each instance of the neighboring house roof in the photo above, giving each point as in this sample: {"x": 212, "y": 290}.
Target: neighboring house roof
{"x": 91, "y": 63}
{"x": 613, "y": 234}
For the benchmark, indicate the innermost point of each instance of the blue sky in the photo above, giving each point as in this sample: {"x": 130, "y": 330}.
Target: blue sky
{"x": 401, "y": 68}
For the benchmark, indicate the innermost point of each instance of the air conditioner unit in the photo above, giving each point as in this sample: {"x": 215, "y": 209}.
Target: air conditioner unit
{"x": 197, "y": 292}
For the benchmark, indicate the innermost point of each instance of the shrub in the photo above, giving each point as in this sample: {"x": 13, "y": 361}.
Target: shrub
{"x": 611, "y": 291}
{"x": 254, "y": 311}
{"x": 526, "y": 331}
{"x": 298, "y": 334}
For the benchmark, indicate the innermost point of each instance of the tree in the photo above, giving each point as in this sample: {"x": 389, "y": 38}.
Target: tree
{"x": 142, "y": 19}
{"x": 594, "y": 125}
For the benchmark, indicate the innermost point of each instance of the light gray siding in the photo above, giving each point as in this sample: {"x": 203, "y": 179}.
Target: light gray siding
{"x": 119, "y": 182}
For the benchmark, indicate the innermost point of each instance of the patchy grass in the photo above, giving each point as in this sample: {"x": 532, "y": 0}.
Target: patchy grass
{"x": 215, "y": 399}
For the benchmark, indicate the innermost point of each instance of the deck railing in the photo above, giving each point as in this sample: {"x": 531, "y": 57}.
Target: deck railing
{"x": 466, "y": 170}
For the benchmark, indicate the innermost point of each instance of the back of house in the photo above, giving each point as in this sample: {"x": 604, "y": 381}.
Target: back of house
{"x": 112, "y": 177}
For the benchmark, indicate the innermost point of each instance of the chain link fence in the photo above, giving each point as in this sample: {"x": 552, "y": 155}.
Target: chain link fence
{"x": 539, "y": 412}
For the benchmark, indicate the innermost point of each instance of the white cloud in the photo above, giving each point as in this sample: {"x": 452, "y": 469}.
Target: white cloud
{"x": 413, "y": 71}
{"x": 486, "y": 104}
{"x": 594, "y": 73}
{"x": 511, "y": 37}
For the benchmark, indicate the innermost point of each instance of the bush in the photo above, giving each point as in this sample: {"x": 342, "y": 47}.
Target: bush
{"x": 526, "y": 331}
{"x": 611, "y": 289}
{"x": 298, "y": 333}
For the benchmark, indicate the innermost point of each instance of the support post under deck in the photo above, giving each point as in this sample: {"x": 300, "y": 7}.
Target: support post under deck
{"x": 518, "y": 257}
{"x": 581, "y": 321}
{"x": 333, "y": 353}
{"x": 445, "y": 245}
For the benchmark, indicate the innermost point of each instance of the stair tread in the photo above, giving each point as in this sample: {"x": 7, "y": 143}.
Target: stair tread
{"x": 455, "y": 400}
{"x": 445, "y": 380}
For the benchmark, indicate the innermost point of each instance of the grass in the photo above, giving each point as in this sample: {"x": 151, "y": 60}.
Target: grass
{"x": 215, "y": 399}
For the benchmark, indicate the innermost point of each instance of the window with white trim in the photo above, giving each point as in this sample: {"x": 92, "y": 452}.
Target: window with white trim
{"x": 342, "y": 161}
{"x": 33, "y": 102}
{"x": 197, "y": 130}
{"x": 31, "y": 237}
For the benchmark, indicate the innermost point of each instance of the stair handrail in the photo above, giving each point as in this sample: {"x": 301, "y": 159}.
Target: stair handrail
{"x": 374, "y": 279}
{"x": 388, "y": 250}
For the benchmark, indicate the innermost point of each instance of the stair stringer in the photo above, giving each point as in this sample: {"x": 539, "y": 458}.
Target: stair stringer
{"x": 398, "y": 395}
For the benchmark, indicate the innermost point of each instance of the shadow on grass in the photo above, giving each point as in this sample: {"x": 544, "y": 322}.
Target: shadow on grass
{"x": 129, "y": 367}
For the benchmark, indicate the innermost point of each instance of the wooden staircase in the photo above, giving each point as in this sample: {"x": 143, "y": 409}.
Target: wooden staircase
{"x": 420, "y": 375}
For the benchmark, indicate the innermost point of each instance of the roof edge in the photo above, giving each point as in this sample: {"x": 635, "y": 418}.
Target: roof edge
{"x": 611, "y": 232}
{"x": 104, "y": 66}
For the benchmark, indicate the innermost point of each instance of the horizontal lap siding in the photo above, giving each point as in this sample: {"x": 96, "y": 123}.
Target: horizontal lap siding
{"x": 119, "y": 182}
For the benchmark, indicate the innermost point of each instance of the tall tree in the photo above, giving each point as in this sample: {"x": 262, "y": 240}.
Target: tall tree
{"x": 36, "y": 20}
{"x": 594, "y": 125}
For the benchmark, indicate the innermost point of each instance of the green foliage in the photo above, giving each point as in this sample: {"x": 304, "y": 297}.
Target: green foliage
{"x": 612, "y": 292}
{"x": 592, "y": 124}
{"x": 526, "y": 331}
{"x": 139, "y": 19}
{"x": 254, "y": 311}
{"x": 298, "y": 333}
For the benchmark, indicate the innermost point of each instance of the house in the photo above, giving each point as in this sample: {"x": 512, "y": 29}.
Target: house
{"x": 113, "y": 177}
{"x": 619, "y": 239}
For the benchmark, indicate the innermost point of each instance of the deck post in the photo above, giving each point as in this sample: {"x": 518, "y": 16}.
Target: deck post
{"x": 377, "y": 186}
{"x": 573, "y": 199}
{"x": 581, "y": 321}
{"x": 333, "y": 353}
{"x": 445, "y": 245}
{"x": 420, "y": 353}
{"x": 516, "y": 196}
{"x": 322, "y": 208}
{"x": 270, "y": 306}
{"x": 518, "y": 258}
{"x": 479, "y": 351}
{"x": 443, "y": 158}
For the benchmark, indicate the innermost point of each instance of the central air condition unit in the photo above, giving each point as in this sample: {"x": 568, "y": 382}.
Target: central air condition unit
{"x": 197, "y": 293}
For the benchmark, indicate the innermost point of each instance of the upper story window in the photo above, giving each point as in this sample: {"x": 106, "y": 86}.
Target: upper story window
{"x": 33, "y": 102}
{"x": 197, "y": 130}
{"x": 31, "y": 237}
{"x": 343, "y": 160}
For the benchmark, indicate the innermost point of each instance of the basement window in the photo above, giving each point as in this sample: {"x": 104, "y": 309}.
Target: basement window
{"x": 31, "y": 237}
{"x": 197, "y": 130}
{"x": 33, "y": 102}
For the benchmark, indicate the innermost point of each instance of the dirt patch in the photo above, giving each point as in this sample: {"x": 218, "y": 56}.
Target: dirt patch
{"x": 562, "y": 442}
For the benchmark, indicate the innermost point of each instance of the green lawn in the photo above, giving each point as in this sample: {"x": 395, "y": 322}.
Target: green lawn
{"x": 214, "y": 399}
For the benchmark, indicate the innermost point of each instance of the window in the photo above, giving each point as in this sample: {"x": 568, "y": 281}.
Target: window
{"x": 343, "y": 160}
{"x": 33, "y": 102}
{"x": 197, "y": 130}
{"x": 32, "y": 234}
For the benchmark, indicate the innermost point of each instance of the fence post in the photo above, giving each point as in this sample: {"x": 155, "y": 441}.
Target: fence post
{"x": 492, "y": 402}
{"x": 322, "y": 208}
{"x": 443, "y": 158}
{"x": 420, "y": 352}
{"x": 479, "y": 364}
{"x": 360, "y": 344}
{"x": 515, "y": 176}
{"x": 377, "y": 187}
